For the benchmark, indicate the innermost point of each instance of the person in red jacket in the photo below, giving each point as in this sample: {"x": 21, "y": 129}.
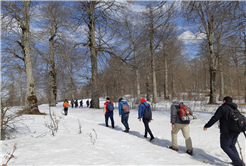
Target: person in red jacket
{"x": 108, "y": 112}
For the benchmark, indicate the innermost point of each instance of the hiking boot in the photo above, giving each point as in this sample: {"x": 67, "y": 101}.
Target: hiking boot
{"x": 190, "y": 152}
{"x": 145, "y": 136}
{"x": 173, "y": 148}
{"x": 106, "y": 125}
{"x": 151, "y": 139}
{"x": 126, "y": 130}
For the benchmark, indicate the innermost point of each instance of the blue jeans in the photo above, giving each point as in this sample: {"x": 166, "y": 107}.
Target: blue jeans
{"x": 111, "y": 116}
{"x": 228, "y": 144}
{"x": 124, "y": 120}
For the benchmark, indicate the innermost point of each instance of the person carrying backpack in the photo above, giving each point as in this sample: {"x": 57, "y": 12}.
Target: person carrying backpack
{"x": 144, "y": 112}
{"x": 228, "y": 138}
{"x": 177, "y": 125}
{"x": 65, "y": 105}
{"x": 124, "y": 113}
{"x": 87, "y": 103}
{"x": 108, "y": 111}
{"x": 81, "y": 104}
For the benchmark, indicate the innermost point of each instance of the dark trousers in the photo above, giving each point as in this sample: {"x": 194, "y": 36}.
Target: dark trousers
{"x": 124, "y": 120}
{"x": 65, "y": 111}
{"x": 228, "y": 144}
{"x": 147, "y": 129}
{"x": 111, "y": 116}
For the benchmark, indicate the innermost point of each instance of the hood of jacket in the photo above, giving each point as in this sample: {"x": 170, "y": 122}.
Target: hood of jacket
{"x": 232, "y": 105}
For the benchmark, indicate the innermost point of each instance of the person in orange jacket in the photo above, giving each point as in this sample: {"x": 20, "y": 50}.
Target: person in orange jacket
{"x": 65, "y": 105}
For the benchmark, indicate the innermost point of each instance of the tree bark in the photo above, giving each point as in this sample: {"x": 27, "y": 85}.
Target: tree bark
{"x": 154, "y": 100}
{"x": 31, "y": 102}
{"x": 166, "y": 97}
{"x": 52, "y": 72}
{"x": 92, "y": 45}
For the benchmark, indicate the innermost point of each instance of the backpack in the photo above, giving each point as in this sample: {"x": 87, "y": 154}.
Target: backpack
{"x": 125, "y": 108}
{"x": 110, "y": 107}
{"x": 147, "y": 112}
{"x": 236, "y": 121}
{"x": 65, "y": 104}
{"x": 185, "y": 113}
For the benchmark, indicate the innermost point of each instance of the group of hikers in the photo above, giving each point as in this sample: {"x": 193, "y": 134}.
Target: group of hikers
{"x": 228, "y": 138}
{"x": 75, "y": 103}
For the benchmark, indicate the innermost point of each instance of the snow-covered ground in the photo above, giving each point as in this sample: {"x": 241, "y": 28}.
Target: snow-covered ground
{"x": 99, "y": 145}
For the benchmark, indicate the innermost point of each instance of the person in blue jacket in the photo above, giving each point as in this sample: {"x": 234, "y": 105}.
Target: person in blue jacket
{"x": 124, "y": 115}
{"x": 147, "y": 117}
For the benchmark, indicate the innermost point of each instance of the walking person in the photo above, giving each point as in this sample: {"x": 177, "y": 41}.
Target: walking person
{"x": 228, "y": 138}
{"x": 177, "y": 125}
{"x": 65, "y": 105}
{"x": 81, "y": 104}
{"x": 124, "y": 113}
{"x": 72, "y": 102}
{"x": 108, "y": 111}
{"x": 145, "y": 112}
{"x": 87, "y": 103}
{"x": 76, "y": 104}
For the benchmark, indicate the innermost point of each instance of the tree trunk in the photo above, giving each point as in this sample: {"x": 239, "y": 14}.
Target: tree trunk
{"x": 222, "y": 83}
{"x": 147, "y": 87}
{"x": 137, "y": 76}
{"x": 212, "y": 69}
{"x": 245, "y": 66}
{"x": 92, "y": 45}
{"x": 166, "y": 97}
{"x": 52, "y": 72}
{"x": 154, "y": 100}
{"x": 21, "y": 74}
{"x": 31, "y": 103}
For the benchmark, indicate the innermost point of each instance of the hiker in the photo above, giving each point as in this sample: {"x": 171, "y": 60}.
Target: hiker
{"x": 144, "y": 112}
{"x": 65, "y": 105}
{"x": 108, "y": 111}
{"x": 177, "y": 125}
{"x": 81, "y": 104}
{"x": 124, "y": 113}
{"x": 72, "y": 102}
{"x": 87, "y": 103}
{"x": 76, "y": 104}
{"x": 228, "y": 138}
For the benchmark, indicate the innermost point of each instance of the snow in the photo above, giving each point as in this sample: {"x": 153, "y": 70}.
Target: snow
{"x": 99, "y": 145}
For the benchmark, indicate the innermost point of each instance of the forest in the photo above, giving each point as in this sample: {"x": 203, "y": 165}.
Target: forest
{"x": 56, "y": 50}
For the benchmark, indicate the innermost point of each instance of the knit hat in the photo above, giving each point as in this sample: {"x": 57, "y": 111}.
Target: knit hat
{"x": 107, "y": 98}
{"x": 142, "y": 100}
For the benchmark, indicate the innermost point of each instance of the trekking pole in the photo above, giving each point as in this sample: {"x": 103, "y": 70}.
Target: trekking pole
{"x": 240, "y": 150}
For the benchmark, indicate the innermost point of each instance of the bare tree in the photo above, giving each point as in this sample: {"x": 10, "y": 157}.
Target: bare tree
{"x": 210, "y": 15}
{"x": 19, "y": 13}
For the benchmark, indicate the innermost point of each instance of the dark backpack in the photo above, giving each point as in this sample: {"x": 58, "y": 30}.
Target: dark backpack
{"x": 110, "y": 107}
{"x": 236, "y": 121}
{"x": 147, "y": 112}
{"x": 125, "y": 108}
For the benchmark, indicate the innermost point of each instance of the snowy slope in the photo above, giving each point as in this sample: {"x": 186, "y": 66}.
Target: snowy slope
{"x": 111, "y": 146}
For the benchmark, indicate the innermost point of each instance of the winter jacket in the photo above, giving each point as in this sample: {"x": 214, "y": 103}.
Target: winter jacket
{"x": 175, "y": 118}
{"x": 222, "y": 114}
{"x": 121, "y": 112}
{"x": 141, "y": 109}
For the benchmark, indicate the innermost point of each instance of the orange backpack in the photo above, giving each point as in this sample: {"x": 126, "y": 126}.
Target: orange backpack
{"x": 65, "y": 104}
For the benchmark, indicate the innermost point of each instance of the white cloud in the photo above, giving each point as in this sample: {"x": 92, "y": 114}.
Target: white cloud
{"x": 189, "y": 37}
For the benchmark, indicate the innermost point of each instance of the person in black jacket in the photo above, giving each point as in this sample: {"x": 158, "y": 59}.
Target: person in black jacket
{"x": 227, "y": 139}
